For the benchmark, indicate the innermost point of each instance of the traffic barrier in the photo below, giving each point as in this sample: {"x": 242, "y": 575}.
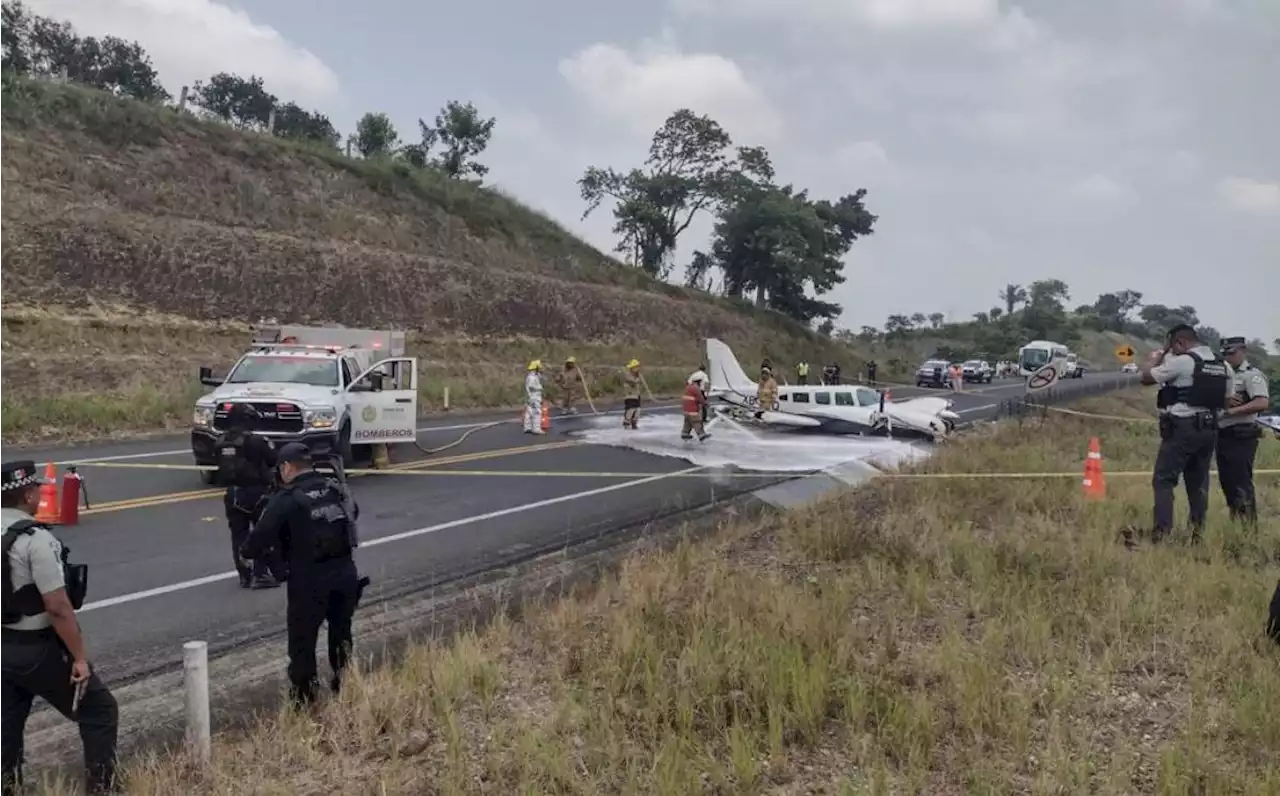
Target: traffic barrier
{"x": 1094, "y": 483}
{"x": 546, "y": 418}
{"x": 48, "y": 512}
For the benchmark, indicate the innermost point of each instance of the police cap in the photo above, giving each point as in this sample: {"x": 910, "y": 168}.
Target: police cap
{"x": 1234, "y": 343}
{"x": 293, "y": 452}
{"x": 18, "y": 475}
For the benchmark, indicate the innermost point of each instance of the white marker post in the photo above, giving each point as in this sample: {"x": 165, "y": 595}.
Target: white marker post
{"x": 446, "y": 399}
{"x": 195, "y": 672}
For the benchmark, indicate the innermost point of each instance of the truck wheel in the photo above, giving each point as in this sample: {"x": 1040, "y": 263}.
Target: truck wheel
{"x": 344, "y": 446}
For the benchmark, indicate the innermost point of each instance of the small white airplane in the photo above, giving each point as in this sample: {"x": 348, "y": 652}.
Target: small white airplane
{"x": 826, "y": 409}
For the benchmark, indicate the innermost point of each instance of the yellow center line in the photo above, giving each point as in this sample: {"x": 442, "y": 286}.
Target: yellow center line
{"x": 180, "y": 497}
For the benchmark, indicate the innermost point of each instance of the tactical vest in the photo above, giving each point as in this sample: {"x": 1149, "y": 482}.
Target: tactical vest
{"x": 234, "y": 466}
{"x": 27, "y": 601}
{"x": 1208, "y": 388}
{"x": 331, "y": 514}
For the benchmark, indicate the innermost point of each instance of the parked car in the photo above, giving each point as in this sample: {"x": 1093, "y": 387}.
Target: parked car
{"x": 1074, "y": 368}
{"x": 1129, "y": 367}
{"x": 978, "y": 370}
{"x": 934, "y": 373}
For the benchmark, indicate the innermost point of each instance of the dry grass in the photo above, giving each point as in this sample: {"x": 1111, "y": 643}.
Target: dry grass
{"x": 916, "y": 636}
{"x": 115, "y": 372}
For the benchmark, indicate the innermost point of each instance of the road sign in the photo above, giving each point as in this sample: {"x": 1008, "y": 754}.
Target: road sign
{"x": 1125, "y": 352}
{"x": 1045, "y": 377}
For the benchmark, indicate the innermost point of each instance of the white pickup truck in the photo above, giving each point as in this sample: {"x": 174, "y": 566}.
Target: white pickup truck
{"x": 331, "y": 388}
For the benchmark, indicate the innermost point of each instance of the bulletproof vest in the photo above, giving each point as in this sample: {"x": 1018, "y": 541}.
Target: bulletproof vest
{"x": 27, "y": 600}
{"x": 331, "y": 516}
{"x": 234, "y": 465}
{"x": 1208, "y": 388}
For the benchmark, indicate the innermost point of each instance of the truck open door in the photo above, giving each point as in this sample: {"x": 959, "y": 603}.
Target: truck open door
{"x": 383, "y": 401}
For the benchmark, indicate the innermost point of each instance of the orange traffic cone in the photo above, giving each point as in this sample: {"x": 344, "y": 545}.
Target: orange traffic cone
{"x": 546, "y": 419}
{"x": 48, "y": 512}
{"x": 1094, "y": 483}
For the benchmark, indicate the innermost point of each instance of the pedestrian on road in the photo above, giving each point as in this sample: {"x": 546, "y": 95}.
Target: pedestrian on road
{"x": 1195, "y": 385}
{"x": 44, "y": 652}
{"x": 310, "y": 525}
{"x": 1238, "y": 434}
{"x": 245, "y": 462}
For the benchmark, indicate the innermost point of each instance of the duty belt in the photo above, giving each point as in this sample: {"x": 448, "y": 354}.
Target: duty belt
{"x": 28, "y": 636}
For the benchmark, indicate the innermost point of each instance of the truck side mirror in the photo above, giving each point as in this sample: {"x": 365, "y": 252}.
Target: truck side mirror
{"x": 208, "y": 379}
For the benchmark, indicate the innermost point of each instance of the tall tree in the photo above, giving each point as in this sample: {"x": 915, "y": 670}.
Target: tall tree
{"x": 994, "y": 313}
{"x": 689, "y": 170}
{"x": 463, "y": 134}
{"x": 244, "y": 103}
{"x": 293, "y": 121}
{"x": 781, "y": 244}
{"x": 40, "y": 46}
{"x": 1048, "y": 294}
{"x": 936, "y": 319}
{"x": 896, "y": 326}
{"x": 1012, "y": 296}
{"x": 375, "y": 135}
{"x": 919, "y": 319}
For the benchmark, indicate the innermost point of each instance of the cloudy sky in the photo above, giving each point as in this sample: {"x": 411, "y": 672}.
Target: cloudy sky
{"x": 1110, "y": 143}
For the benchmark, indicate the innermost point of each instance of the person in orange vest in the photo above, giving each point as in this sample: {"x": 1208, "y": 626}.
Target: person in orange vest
{"x": 692, "y": 404}
{"x": 957, "y": 378}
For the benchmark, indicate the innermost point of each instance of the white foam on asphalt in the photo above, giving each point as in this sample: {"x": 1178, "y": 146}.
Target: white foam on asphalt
{"x": 733, "y": 444}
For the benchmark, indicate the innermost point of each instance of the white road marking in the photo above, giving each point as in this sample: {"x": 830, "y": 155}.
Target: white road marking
{"x": 90, "y": 460}
{"x": 395, "y": 537}
{"x": 982, "y": 408}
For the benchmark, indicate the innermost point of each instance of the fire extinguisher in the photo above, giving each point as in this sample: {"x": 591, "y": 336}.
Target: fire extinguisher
{"x": 72, "y": 488}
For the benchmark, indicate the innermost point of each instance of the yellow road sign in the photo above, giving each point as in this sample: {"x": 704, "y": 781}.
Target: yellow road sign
{"x": 1124, "y": 352}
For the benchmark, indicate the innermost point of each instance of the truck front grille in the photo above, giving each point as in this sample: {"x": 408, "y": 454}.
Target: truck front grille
{"x": 280, "y": 418}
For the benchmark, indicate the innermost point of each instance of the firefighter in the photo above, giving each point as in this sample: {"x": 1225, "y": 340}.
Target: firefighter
{"x": 802, "y": 372}
{"x": 767, "y": 395}
{"x": 694, "y": 404}
{"x": 700, "y": 376}
{"x": 568, "y": 380}
{"x": 631, "y": 395}
{"x": 245, "y": 464}
{"x": 533, "y": 398}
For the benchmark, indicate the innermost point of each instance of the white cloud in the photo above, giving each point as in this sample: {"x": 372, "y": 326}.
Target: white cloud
{"x": 1101, "y": 188}
{"x": 1251, "y": 196}
{"x": 875, "y": 13}
{"x": 189, "y": 40}
{"x": 641, "y": 90}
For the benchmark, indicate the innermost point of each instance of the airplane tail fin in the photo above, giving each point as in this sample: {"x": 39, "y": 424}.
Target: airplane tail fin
{"x": 724, "y": 371}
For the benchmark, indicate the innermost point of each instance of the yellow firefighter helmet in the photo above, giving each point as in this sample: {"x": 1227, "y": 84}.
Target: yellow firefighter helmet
{"x": 633, "y": 364}
{"x": 535, "y": 364}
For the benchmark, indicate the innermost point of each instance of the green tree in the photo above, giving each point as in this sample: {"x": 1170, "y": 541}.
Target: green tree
{"x": 1012, "y": 296}
{"x": 463, "y": 134}
{"x": 982, "y": 317}
{"x": 244, "y": 103}
{"x": 781, "y": 244}
{"x": 295, "y": 122}
{"x": 936, "y": 319}
{"x": 1048, "y": 294}
{"x": 918, "y": 319}
{"x": 690, "y": 169}
{"x": 896, "y": 327}
{"x": 995, "y": 313}
{"x": 375, "y": 136}
{"x": 40, "y": 46}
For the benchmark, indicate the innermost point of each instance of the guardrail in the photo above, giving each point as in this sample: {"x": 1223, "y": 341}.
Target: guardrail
{"x": 1036, "y": 404}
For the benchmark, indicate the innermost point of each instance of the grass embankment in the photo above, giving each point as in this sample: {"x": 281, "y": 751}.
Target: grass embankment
{"x": 138, "y": 221}
{"x": 917, "y": 635}
{"x": 85, "y": 377}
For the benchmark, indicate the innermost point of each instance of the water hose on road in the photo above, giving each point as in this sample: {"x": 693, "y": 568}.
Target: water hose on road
{"x": 461, "y": 438}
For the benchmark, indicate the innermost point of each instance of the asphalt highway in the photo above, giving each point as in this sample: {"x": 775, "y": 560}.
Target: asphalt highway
{"x": 160, "y": 556}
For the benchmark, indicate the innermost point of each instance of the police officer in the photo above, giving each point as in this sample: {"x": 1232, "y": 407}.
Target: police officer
{"x": 871, "y": 372}
{"x": 802, "y": 372}
{"x": 44, "y": 653}
{"x": 1238, "y": 434}
{"x": 310, "y": 526}
{"x": 1195, "y": 384}
{"x": 245, "y": 461}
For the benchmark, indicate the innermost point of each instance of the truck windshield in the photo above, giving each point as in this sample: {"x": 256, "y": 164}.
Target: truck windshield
{"x": 292, "y": 370}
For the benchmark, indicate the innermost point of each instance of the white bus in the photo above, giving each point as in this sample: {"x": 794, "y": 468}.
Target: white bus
{"x": 1038, "y": 353}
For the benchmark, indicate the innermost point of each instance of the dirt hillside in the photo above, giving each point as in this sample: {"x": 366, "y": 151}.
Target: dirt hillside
{"x": 138, "y": 242}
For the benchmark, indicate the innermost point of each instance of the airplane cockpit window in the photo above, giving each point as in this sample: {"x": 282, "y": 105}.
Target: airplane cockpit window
{"x": 802, "y": 398}
{"x": 783, "y": 396}
{"x": 868, "y": 398}
{"x": 822, "y": 398}
{"x": 844, "y": 399}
